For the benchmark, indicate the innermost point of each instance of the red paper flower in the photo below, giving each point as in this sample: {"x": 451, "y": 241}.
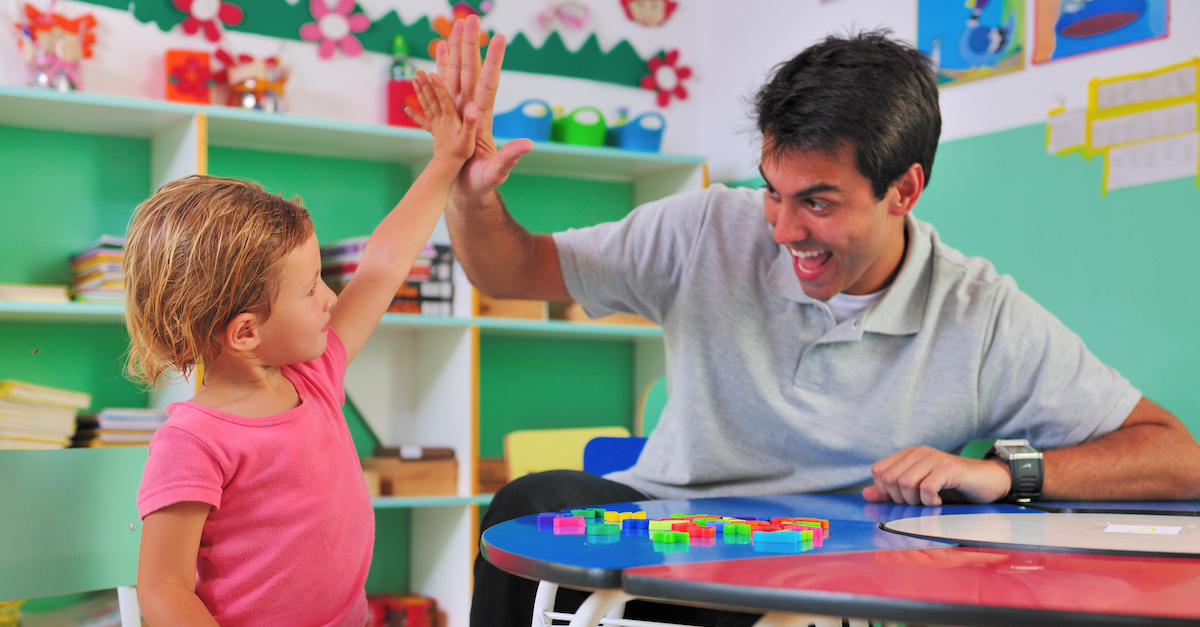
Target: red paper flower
{"x": 335, "y": 28}
{"x": 666, "y": 78}
{"x": 192, "y": 78}
{"x": 208, "y": 14}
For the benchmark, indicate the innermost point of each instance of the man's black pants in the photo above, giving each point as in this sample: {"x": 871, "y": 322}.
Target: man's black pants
{"x": 504, "y": 600}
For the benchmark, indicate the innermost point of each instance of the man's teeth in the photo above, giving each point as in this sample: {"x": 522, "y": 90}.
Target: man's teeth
{"x": 803, "y": 254}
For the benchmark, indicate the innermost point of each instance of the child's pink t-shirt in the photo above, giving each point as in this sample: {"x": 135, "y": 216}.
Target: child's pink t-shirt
{"x": 289, "y": 538}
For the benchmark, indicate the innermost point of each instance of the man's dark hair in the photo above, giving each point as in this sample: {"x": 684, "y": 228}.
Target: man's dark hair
{"x": 877, "y": 95}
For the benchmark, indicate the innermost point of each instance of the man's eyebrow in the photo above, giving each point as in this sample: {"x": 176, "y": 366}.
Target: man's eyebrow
{"x": 811, "y": 190}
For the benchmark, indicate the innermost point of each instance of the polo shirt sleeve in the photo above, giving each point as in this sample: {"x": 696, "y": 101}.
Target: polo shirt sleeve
{"x": 1040, "y": 382}
{"x": 635, "y": 265}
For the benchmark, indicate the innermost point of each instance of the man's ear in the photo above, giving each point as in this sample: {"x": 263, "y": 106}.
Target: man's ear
{"x": 241, "y": 334}
{"x": 908, "y": 190}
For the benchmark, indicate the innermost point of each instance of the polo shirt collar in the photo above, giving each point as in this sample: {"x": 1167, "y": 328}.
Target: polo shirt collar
{"x": 900, "y": 311}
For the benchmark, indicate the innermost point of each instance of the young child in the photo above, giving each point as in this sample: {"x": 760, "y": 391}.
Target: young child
{"x": 253, "y": 503}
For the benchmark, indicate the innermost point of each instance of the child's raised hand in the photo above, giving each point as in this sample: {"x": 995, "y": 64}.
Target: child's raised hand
{"x": 453, "y": 133}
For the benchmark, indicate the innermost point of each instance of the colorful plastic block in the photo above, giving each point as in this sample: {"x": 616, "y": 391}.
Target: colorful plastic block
{"x": 569, "y": 522}
{"x": 603, "y": 529}
{"x": 660, "y": 525}
{"x": 738, "y": 529}
{"x": 778, "y": 537}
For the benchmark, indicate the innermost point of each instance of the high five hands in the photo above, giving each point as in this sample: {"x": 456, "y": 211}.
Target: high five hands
{"x": 468, "y": 81}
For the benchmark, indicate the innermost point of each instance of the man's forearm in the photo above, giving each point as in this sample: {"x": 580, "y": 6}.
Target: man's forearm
{"x": 1151, "y": 457}
{"x": 501, "y": 258}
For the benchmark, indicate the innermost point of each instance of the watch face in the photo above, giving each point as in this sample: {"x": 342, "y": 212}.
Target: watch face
{"x": 1021, "y": 448}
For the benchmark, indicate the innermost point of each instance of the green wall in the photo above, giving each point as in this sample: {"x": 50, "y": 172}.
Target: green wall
{"x": 1122, "y": 270}
{"x": 543, "y": 383}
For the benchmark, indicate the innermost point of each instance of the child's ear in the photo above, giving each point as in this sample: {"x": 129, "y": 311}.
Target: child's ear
{"x": 241, "y": 334}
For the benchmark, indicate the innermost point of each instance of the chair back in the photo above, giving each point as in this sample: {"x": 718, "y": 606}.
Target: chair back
{"x": 604, "y": 454}
{"x": 650, "y": 406}
{"x": 535, "y": 450}
{"x": 68, "y": 520}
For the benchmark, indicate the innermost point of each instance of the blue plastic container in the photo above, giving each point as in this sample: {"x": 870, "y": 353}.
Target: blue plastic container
{"x": 530, "y": 119}
{"x": 641, "y": 133}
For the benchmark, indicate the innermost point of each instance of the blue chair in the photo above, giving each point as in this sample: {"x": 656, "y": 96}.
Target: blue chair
{"x": 602, "y": 455}
{"x": 69, "y": 523}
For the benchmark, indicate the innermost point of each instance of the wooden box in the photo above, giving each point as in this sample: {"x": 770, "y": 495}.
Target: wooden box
{"x": 415, "y": 477}
{"x": 512, "y": 308}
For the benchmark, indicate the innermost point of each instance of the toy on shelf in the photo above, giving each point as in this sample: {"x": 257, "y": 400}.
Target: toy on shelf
{"x": 254, "y": 83}
{"x": 642, "y": 133}
{"x": 583, "y": 126}
{"x": 400, "y": 90}
{"x": 53, "y": 46}
{"x": 530, "y": 119}
{"x": 189, "y": 76}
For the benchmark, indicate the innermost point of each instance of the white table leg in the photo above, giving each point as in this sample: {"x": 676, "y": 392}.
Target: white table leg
{"x": 544, "y": 602}
{"x": 597, "y": 605}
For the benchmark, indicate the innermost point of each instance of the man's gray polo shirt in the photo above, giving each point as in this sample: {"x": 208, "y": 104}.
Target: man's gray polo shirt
{"x": 767, "y": 394}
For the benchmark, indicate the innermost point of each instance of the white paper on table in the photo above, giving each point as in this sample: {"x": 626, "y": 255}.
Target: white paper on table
{"x": 1173, "y": 84}
{"x": 1067, "y": 131}
{"x": 1153, "y": 530}
{"x": 1133, "y": 127}
{"x": 1152, "y": 162}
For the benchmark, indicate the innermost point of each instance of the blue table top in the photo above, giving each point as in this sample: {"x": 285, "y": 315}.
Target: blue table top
{"x": 517, "y": 545}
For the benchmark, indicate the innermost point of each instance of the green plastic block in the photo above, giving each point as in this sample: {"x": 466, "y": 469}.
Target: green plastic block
{"x": 603, "y": 529}
{"x": 578, "y": 512}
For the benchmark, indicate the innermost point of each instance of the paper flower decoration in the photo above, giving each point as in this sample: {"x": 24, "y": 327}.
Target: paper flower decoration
{"x": 188, "y": 76}
{"x": 666, "y": 77}
{"x": 208, "y": 15}
{"x": 569, "y": 15}
{"x": 442, "y": 25}
{"x": 335, "y": 28}
{"x": 649, "y": 12}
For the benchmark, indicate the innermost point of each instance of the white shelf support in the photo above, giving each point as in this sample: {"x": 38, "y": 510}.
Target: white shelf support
{"x": 179, "y": 150}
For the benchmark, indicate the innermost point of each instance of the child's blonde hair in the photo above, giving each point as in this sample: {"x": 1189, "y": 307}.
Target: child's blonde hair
{"x": 198, "y": 253}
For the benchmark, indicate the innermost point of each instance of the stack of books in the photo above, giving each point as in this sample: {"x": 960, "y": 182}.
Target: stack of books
{"x": 96, "y": 274}
{"x": 37, "y": 416}
{"x": 33, "y": 293}
{"x": 428, "y": 290}
{"x": 116, "y": 426}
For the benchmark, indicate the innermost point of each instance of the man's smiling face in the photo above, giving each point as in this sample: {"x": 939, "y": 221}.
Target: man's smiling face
{"x": 841, "y": 237}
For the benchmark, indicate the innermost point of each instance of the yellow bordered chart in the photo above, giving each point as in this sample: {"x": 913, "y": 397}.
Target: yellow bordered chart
{"x": 1145, "y": 125}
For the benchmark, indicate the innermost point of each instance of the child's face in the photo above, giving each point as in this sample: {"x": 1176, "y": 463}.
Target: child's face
{"x": 296, "y": 331}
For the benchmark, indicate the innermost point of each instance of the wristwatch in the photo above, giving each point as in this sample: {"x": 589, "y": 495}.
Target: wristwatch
{"x": 1025, "y": 465}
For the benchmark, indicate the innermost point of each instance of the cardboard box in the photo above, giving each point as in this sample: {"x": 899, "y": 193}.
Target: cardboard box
{"x": 512, "y": 308}
{"x": 493, "y": 474}
{"x": 416, "y": 477}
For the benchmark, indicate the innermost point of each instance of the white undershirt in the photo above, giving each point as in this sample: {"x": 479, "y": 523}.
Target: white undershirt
{"x": 846, "y": 306}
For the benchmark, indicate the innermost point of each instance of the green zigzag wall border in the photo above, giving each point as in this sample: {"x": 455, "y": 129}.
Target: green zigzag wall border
{"x": 276, "y": 18}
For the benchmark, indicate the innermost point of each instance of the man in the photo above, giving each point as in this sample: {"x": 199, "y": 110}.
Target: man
{"x": 838, "y": 342}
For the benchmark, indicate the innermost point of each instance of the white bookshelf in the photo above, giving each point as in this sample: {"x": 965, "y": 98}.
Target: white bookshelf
{"x": 417, "y": 379}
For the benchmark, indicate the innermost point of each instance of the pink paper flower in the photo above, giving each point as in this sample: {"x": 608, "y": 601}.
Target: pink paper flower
{"x": 666, "y": 78}
{"x": 208, "y": 14}
{"x": 335, "y": 28}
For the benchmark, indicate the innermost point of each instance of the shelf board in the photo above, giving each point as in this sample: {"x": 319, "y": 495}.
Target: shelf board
{"x": 93, "y": 313}
{"x": 404, "y": 502}
{"x": 72, "y": 312}
{"x": 563, "y": 328}
{"x": 84, "y": 112}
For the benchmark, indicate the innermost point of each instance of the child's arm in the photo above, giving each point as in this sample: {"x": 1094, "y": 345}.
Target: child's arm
{"x": 166, "y": 578}
{"x": 399, "y": 238}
